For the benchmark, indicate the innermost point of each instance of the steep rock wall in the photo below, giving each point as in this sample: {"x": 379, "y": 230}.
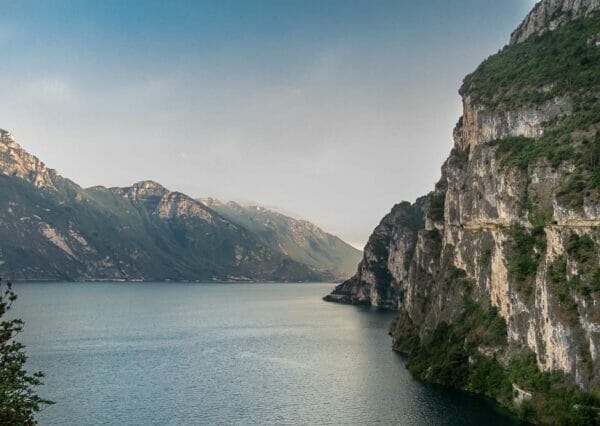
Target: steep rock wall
{"x": 510, "y": 231}
{"x": 386, "y": 260}
{"x": 548, "y": 15}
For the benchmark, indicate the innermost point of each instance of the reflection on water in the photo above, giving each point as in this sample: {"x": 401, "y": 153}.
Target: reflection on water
{"x": 224, "y": 354}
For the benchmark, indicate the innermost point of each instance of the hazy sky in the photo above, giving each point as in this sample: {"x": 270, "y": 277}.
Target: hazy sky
{"x": 333, "y": 110}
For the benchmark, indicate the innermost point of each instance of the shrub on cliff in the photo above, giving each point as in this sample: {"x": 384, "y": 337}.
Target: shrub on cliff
{"x": 523, "y": 260}
{"x": 465, "y": 355}
{"x": 18, "y": 399}
{"x": 540, "y": 68}
{"x": 449, "y": 355}
{"x": 582, "y": 248}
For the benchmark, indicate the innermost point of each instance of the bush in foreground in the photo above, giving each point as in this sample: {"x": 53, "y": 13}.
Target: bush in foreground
{"x": 18, "y": 399}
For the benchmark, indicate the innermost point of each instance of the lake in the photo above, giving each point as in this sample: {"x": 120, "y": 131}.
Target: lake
{"x": 170, "y": 353}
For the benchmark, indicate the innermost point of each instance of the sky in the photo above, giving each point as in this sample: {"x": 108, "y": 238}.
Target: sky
{"x": 333, "y": 110}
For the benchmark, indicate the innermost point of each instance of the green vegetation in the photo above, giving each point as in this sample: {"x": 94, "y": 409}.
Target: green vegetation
{"x": 409, "y": 215}
{"x": 558, "y": 63}
{"x": 459, "y": 157}
{"x": 554, "y": 401}
{"x": 434, "y": 239}
{"x": 565, "y": 140}
{"x": 472, "y": 351}
{"x": 443, "y": 355}
{"x": 486, "y": 257}
{"x": 436, "y": 206}
{"x": 595, "y": 279}
{"x": 452, "y": 355}
{"x": 557, "y": 272}
{"x": 526, "y": 251}
{"x": 540, "y": 218}
{"x": 457, "y": 277}
{"x": 582, "y": 248}
{"x": 571, "y": 192}
{"x": 300, "y": 241}
{"x": 541, "y": 68}
{"x": 561, "y": 292}
{"x": 18, "y": 400}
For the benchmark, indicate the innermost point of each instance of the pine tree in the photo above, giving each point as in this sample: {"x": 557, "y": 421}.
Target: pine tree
{"x": 18, "y": 399}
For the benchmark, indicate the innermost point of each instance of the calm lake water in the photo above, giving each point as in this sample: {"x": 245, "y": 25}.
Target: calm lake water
{"x": 145, "y": 354}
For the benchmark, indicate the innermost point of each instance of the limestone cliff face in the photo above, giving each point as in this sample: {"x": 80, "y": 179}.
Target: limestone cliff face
{"x": 386, "y": 260}
{"x": 471, "y": 227}
{"x": 479, "y": 124}
{"x": 164, "y": 203}
{"x": 478, "y": 238}
{"x": 549, "y": 15}
{"x": 14, "y": 161}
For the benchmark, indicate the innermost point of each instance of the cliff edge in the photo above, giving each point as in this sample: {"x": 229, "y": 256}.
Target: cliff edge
{"x": 497, "y": 284}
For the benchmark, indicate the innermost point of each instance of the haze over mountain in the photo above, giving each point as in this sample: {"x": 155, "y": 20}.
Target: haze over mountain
{"x": 299, "y": 239}
{"x": 53, "y": 229}
{"x": 238, "y": 94}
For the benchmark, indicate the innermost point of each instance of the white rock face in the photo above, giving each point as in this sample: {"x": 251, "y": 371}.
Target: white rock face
{"x": 57, "y": 239}
{"x": 178, "y": 205}
{"x": 14, "y": 161}
{"x": 480, "y": 125}
{"x": 548, "y": 15}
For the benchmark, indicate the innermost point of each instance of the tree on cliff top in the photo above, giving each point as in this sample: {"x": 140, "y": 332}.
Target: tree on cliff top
{"x": 18, "y": 400}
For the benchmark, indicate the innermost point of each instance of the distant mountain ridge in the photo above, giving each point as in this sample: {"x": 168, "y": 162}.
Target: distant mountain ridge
{"x": 299, "y": 239}
{"x": 53, "y": 229}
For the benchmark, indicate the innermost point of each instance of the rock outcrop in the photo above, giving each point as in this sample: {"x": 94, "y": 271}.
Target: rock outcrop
{"x": 514, "y": 222}
{"x": 386, "y": 260}
{"x": 15, "y": 161}
{"x": 549, "y": 15}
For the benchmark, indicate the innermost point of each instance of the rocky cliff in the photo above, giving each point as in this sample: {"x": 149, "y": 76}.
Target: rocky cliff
{"x": 52, "y": 229}
{"x": 506, "y": 262}
{"x": 386, "y": 259}
{"x": 549, "y": 15}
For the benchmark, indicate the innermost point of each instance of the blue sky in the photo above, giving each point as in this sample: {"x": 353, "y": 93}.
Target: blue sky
{"x": 332, "y": 110}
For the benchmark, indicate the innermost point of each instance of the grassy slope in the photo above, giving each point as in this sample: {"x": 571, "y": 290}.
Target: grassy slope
{"x": 139, "y": 244}
{"x": 309, "y": 246}
{"x": 543, "y": 67}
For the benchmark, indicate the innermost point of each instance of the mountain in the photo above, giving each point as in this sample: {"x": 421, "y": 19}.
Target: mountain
{"x": 299, "y": 239}
{"x": 496, "y": 273}
{"x": 53, "y": 229}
